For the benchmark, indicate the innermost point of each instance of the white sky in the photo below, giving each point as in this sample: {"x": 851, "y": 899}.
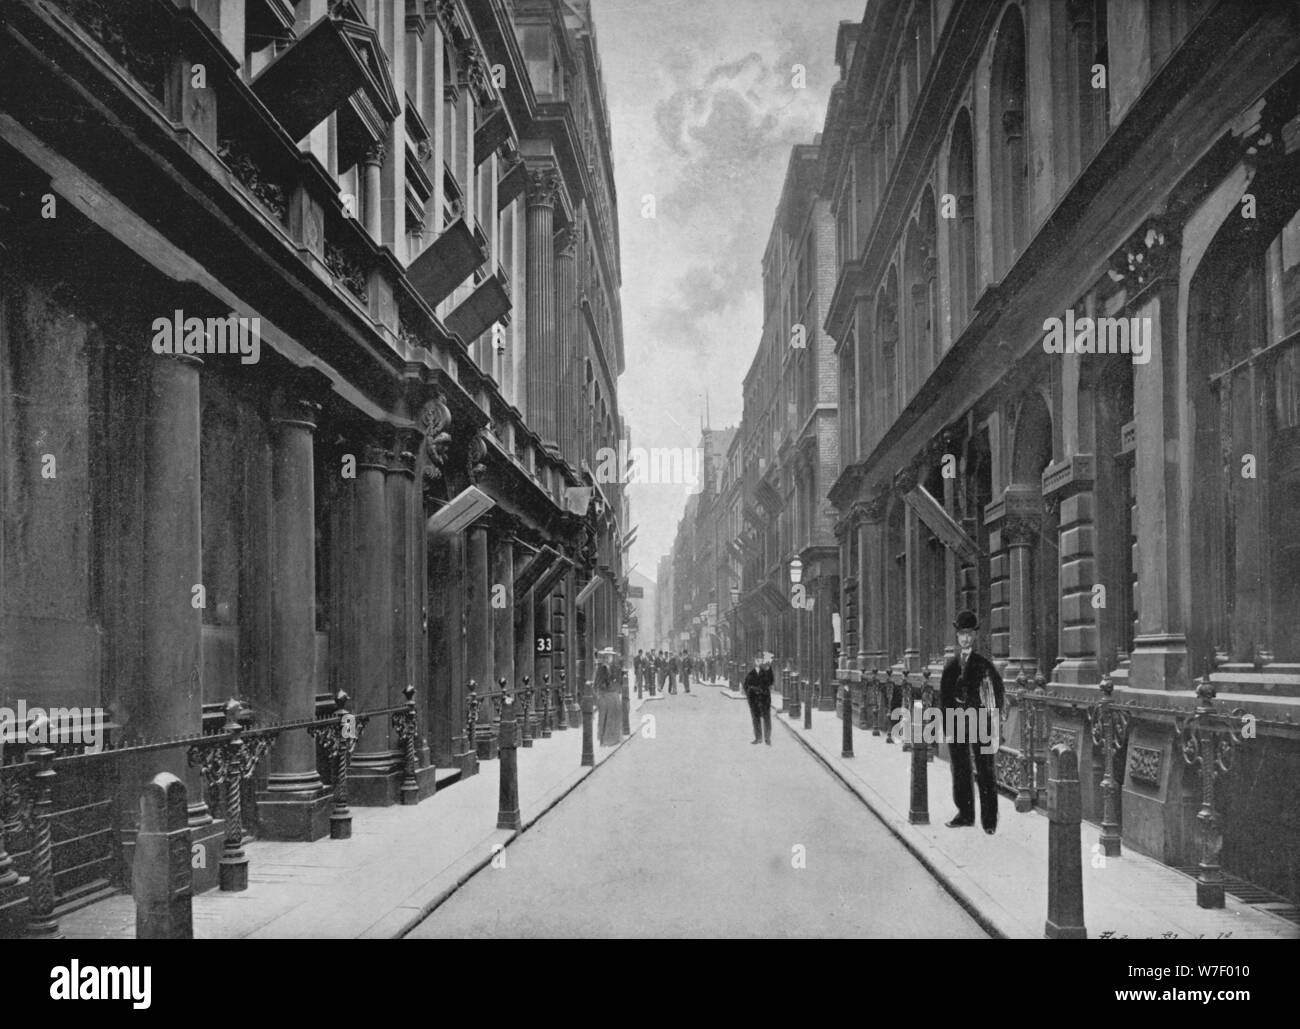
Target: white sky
{"x": 703, "y": 114}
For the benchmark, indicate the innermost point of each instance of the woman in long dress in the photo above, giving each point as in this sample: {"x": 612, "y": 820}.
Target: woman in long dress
{"x": 609, "y": 703}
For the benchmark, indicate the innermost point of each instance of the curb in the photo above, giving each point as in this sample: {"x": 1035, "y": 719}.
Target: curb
{"x": 440, "y": 897}
{"x": 948, "y": 882}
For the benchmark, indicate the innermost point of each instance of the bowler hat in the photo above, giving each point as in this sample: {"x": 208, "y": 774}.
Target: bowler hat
{"x": 966, "y": 620}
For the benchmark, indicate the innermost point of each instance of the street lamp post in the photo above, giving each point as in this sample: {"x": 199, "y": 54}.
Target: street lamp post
{"x": 735, "y": 628}
{"x": 796, "y": 577}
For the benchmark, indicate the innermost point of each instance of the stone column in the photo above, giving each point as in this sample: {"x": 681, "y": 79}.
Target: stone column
{"x": 295, "y": 804}
{"x": 374, "y": 776}
{"x": 172, "y": 695}
{"x": 871, "y": 587}
{"x": 478, "y": 635}
{"x": 503, "y": 610}
{"x": 542, "y": 389}
{"x": 1019, "y": 531}
{"x": 566, "y": 312}
{"x": 171, "y": 692}
{"x": 372, "y": 168}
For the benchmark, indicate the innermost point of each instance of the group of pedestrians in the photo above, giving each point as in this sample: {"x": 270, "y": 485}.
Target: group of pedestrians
{"x": 970, "y": 684}
{"x": 662, "y": 670}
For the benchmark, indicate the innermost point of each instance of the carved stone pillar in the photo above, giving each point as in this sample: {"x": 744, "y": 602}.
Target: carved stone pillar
{"x": 295, "y": 804}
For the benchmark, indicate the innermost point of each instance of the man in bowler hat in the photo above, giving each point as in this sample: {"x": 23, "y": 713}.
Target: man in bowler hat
{"x": 758, "y": 691}
{"x": 959, "y": 693}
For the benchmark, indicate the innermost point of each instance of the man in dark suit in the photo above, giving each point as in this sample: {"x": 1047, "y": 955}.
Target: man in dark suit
{"x": 968, "y": 723}
{"x": 758, "y": 690}
{"x": 672, "y": 673}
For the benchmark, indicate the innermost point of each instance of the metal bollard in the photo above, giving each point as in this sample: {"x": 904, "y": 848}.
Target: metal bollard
{"x": 507, "y": 751}
{"x": 561, "y": 712}
{"x": 1025, "y": 788}
{"x": 13, "y": 887}
{"x": 42, "y": 924}
{"x": 877, "y": 703}
{"x": 232, "y": 871}
{"x": 846, "y": 744}
{"x": 1064, "y": 851}
{"x": 339, "y": 740}
{"x": 1209, "y": 749}
{"x": 909, "y": 709}
{"x": 525, "y": 695}
{"x": 406, "y": 724}
{"x": 808, "y": 703}
{"x": 546, "y": 706}
{"x": 587, "y": 702}
{"x": 1104, "y": 735}
{"x": 919, "y": 811}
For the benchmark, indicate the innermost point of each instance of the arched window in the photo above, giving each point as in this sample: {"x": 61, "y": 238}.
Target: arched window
{"x": 961, "y": 250}
{"x": 1008, "y": 148}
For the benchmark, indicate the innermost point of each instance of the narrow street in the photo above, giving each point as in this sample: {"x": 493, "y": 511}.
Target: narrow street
{"x": 697, "y": 833}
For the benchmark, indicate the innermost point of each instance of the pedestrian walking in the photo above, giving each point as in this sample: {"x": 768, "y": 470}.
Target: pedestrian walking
{"x": 609, "y": 699}
{"x": 971, "y": 689}
{"x": 672, "y": 674}
{"x": 758, "y": 691}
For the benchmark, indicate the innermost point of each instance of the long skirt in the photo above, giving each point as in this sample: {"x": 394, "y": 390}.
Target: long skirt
{"x": 609, "y": 710}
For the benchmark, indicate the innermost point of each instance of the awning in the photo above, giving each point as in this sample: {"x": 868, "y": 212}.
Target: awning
{"x": 336, "y": 57}
{"x": 585, "y": 593}
{"x": 950, "y": 534}
{"x": 492, "y": 131}
{"x": 446, "y": 262}
{"x": 531, "y": 573}
{"x": 557, "y": 571}
{"x": 459, "y": 512}
{"x": 489, "y": 302}
{"x": 511, "y": 184}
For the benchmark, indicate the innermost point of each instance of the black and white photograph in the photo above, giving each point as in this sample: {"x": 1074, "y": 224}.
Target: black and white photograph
{"x": 649, "y": 470}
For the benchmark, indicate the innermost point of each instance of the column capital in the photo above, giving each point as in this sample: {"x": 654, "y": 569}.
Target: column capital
{"x": 566, "y": 243}
{"x": 376, "y": 152}
{"x": 289, "y": 406}
{"x": 543, "y": 186}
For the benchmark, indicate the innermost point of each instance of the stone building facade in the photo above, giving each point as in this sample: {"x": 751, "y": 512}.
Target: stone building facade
{"x": 1130, "y": 170}
{"x": 415, "y": 202}
{"x": 790, "y": 441}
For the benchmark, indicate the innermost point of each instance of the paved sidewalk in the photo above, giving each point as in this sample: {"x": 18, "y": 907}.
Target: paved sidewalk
{"x": 400, "y": 863}
{"x": 1002, "y": 879}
